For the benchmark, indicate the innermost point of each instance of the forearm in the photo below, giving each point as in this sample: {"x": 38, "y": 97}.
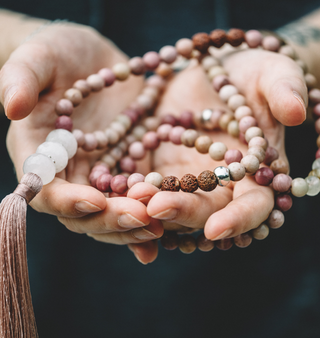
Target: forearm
{"x": 14, "y": 29}
{"x": 304, "y": 36}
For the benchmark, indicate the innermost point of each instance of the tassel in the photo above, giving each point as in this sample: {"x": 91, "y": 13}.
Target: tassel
{"x": 17, "y": 318}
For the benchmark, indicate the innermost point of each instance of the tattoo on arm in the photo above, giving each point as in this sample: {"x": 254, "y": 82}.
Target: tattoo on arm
{"x": 299, "y": 33}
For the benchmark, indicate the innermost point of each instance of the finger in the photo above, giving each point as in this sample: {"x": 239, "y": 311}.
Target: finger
{"x": 184, "y": 208}
{"x": 29, "y": 70}
{"x": 139, "y": 235}
{"x": 145, "y": 252}
{"x": 120, "y": 215}
{"x": 251, "y": 206}
{"x": 142, "y": 192}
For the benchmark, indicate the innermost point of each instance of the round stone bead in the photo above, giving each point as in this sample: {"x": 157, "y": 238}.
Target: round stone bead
{"x": 243, "y": 240}
{"x": 208, "y": 62}
{"x": 64, "y": 122}
{"x": 314, "y": 95}
{"x": 112, "y": 136}
{"x": 201, "y": 42}
{"x": 118, "y": 184}
{"x": 125, "y": 120}
{"x": 170, "y": 240}
{"x": 137, "y": 150}
{"x": 288, "y": 51}
{"x": 215, "y": 71}
{"x": 176, "y": 134}
{"x": 137, "y": 66}
{"x": 116, "y": 153}
{"x": 79, "y": 136}
{"x": 139, "y": 132}
{"x": 233, "y": 155}
{"x": 170, "y": 119}
{"x": 155, "y": 179}
{"x": 224, "y": 244}
{"x": 145, "y": 101}
{"x": 101, "y": 138}
{"x": 103, "y": 182}
{"x": 264, "y": 176}
{"x": 258, "y": 142}
{"x": 83, "y": 86}
{"x": 56, "y": 152}
{"x": 236, "y": 101}
{"x": 282, "y": 183}
{"x": 127, "y": 165}
{"x": 134, "y": 179}
{"x": 187, "y": 244}
{"x": 241, "y": 112}
{"x": 207, "y": 180}
{"x": 315, "y": 172}
{"x": 313, "y": 185}
{"x": 223, "y": 176}
{"x": 189, "y": 183}
{"x": 253, "y": 132}
{"x": 271, "y": 43}
{"x": 227, "y": 91}
{"x": 237, "y": 171}
{"x": 217, "y": 151}
{"x": 258, "y": 152}
{"x": 235, "y": 37}
{"x": 151, "y": 60}
{"x": 311, "y": 80}
{"x": 233, "y": 128}
{"x": 218, "y": 38}
{"x": 133, "y": 115}
{"x": 251, "y": 164}
{"x": 220, "y": 81}
{"x": 108, "y": 76}
{"x": 203, "y": 143}
{"x": 316, "y": 164}
{"x": 73, "y": 95}
{"x": 168, "y": 54}
{"x": 318, "y": 141}
{"x": 118, "y": 127}
{"x": 184, "y": 47}
{"x": 150, "y": 140}
{"x": 40, "y": 165}
{"x": 299, "y": 187}
{"x": 96, "y": 82}
{"x": 64, "y": 107}
{"x": 121, "y": 71}
{"x": 279, "y": 166}
{"x": 156, "y": 81}
{"x": 204, "y": 244}
{"x": 91, "y": 143}
{"x": 109, "y": 160}
{"x": 94, "y": 175}
{"x": 261, "y": 232}
{"x": 284, "y": 202}
{"x": 186, "y": 119}
{"x": 253, "y": 38}
{"x": 275, "y": 219}
{"x": 170, "y": 183}
{"x": 247, "y": 122}
{"x": 189, "y": 137}
{"x": 163, "y": 132}
{"x": 271, "y": 155}
{"x": 65, "y": 138}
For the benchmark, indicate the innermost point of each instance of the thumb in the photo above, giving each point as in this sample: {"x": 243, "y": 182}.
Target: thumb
{"x": 29, "y": 70}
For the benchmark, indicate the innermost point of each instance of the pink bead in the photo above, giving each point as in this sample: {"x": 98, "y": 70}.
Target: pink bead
{"x": 271, "y": 155}
{"x": 242, "y": 138}
{"x": 271, "y": 43}
{"x": 101, "y": 167}
{"x": 175, "y": 134}
{"x": 108, "y": 76}
{"x": 145, "y": 101}
{"x": 118, "y": 184}
{"x": 101, "y": 139}
{"x": 241, "y": 112}
{"x": 186, "y": 119}
{"x": 184, "y": 47}
{"x": 151, "y": 60}
{"x": 169, "y": 119}
{"x": 134, "y": 179}
{"x": 128, "y": 165}
{"x": 215, "y": 118}
{"x": 137, "y": 150}
{"x": 64, "y": 122}
{"x": 91, "y": 142}
{"x": 137, "y": 66}
{"x": 253, "y": 38}
{"x": 168, "y": 54}
{"x": 132, "y": 114}
{"x": 150, "y": 140}
{"x": 79, "y": 135}
{"x": 64, "y": 107}
{"x": 316, "y": 110}
{"x": 156, "y": 81}
{"x": 219, "y": 81}
{"x": 318, "y": 154}
{"x": 94, "y": 175}
{"x": 103, "y": 182}
{"x": 264, "y": 176}
{"x": 96, "y": 82}
{"x": 317, "y": 126}
{"x": 83, "y": 86}
{"x": 284, "y": 202}
{"x": 282, "y": 183}
{"x": 246, "y": 123}
{"x": 232, "y": 155}
{"x": 163, "y": 132}
{"x": 314, "y": 95}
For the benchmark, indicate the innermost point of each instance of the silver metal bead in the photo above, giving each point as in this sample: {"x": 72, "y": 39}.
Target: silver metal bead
{"x": 205, "y": 119}
{"x": 223, "y": 176}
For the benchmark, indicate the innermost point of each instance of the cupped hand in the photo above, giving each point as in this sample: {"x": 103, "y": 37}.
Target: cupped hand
{"x": 31, "y": 82}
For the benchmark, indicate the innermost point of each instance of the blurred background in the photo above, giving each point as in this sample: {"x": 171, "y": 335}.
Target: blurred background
{"x": 82, "y": 288}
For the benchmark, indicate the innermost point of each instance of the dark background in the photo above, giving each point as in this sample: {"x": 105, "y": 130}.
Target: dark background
{"x": 82, "y": 288}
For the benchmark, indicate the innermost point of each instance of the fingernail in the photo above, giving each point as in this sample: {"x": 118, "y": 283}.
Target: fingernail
{"x": 143, "y": 234}
{"x": 222, "y": 235}
{"x": 129, "y": 222}
{"x": 144, "y": 199}
{"x": 85, "y": 206}
{"x": 167, "y": 214}
{"x": 8, "y": 95}
{"x": 300, "y": 99}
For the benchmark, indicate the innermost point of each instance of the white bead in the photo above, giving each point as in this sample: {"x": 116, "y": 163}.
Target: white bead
{"x": 65, "y": 138}
{"x": 217, "y": 151}
{"x": 227, "y": 91}
{"x": 40, "y": 165}
{"x": 154, "y": 179}
{"x": 237, "y": 171}
{"x": 316, "y": 164}
{"x": 299, "y": 187}
{"x": 56, "y": 152}
{"x": 314, "y": 185}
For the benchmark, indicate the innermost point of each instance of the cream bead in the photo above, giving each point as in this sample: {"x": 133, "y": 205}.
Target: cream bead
{"x": 139, "y": 132}
{"x": 152, "y": 123}
{"x": 118, "y": 127}
{"x": 224, "y": 121}
{"x": 112, "y": 136}
{"x": 253, "y": 132}
{"x": 237, "y": 171}
{"x": 227, "y": 91}
{"x": 242, "y": 111}
{"x": 217, "y": 151}
{"x": 109, "y": 160}
{"x": 154, "y": 178}
{"x": 236, "y": 101}
{"x": 233, "y": 128}
{"x": 216, "y": 70}
{"x": 258, "y": 152}
{"x": 209, "y": 62}
{"x": 125, "y": 120}
{"x": 95, "y": 82}
{"x": 261, "y": 232}
{"x": 101, "y": 139}
{"x": 188, "y": 138}
{"x": 121, "y": 71}
{"x": 299, "y": 187}
{"x": 116, "y": 153}
{"x": 203, "y": 143}
{"x": 313, "y": 185}
{"x": 145, "y": 101}
{"x": 258, "y": 141}
{"x": 251, "y": 164}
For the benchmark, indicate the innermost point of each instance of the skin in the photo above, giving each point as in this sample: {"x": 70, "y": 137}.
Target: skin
{"x": 39, "y": 71}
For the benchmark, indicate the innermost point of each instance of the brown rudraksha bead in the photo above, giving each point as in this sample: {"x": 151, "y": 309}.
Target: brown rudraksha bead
{"x": 201, "y": 42}
{"x": 170, "y": 183}
{"x": 207, "y": 180}
{"x": 189, "y": 183}
{"x": 218, "y": 38}
{"x": 235, "y": 37}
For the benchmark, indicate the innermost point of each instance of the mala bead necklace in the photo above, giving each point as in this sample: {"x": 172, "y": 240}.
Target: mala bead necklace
{"x": 61, "y": 144}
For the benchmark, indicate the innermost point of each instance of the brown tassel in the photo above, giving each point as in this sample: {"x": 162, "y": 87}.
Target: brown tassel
{"x": 17, "y": 318}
